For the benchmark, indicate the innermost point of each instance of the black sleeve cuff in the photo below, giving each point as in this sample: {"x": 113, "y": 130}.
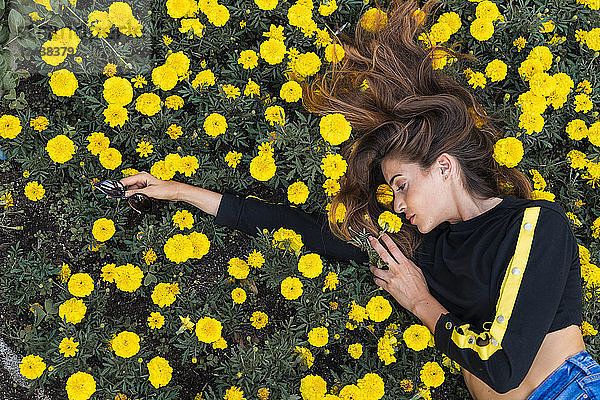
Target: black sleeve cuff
{"x": 443, "y": 330}
{"x": 230, "y": 210}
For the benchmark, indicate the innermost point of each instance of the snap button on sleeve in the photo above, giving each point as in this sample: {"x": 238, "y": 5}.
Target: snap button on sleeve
{"x": 471, "y": 340}
{"x": 527, "y": 226}
{"x": 516, "y": 271}
{"x": 448, "y": 325}
{"x": 494, "y": 342}
{"x": 500, "y": 318}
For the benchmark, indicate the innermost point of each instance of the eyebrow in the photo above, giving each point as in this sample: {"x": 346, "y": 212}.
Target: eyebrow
{"x": 394, "y": 177}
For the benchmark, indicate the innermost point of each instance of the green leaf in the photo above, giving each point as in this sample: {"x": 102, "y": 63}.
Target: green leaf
{"x": 9, "y": 82}
{"x": 2, "y": 5}
{"x": 16, "y": 22}
{"x": 39, "y": 314}
{"x": 149, "y": 279}
{"x": 28, "y": 41}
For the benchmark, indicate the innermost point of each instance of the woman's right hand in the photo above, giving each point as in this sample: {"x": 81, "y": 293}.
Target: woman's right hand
{"x": 151, "y": 186}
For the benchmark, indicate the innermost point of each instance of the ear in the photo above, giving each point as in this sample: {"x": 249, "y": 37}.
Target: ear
{"x": 446, "y": 164}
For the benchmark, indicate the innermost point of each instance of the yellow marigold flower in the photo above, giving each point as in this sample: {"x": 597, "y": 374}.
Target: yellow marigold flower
{"x": 233, "y": 158}
{"x": 220, "y": 343}
{"x": 594, "y": 134}
{"x": 255, "y": 259}
{"x": 416, "y": 337}
{"x": 248, "y": 59}
{"x": 310, "y": 265}
{"x": 333, "y": 166}
{"x": 115, "y": 115}
{"x": 259, "y": 319}
{"x": 234, "y": 393}
{"x": 238, "y": 295}
{"x": 183, "y": 219}
{"x": 287, "y": 239}
{"x": 488, "y": 10}
{"x": 520, "y": 43}
{"x": 110, "y": 69}
{"x": 215, "y": 124}
{"x": 592, "y": 39}
{"x": 542, "y": 84}
{"x": 99, "y": 23}
{"x": 179, "y": 8}
{"x": 103, "y": 229}
{"x": 355, "y": 350}
{"x": 164, "y": 294}
{"x": 538, "y": 181}
{"x": 139, "y": 81}
{"x": 327, "y": 7}
{"x": 51, "y": 52}
{"x": 262, "y": 167}
{"x": 373, "y": 20}
{"x": 307, "y": 64}
{"x": 577, "y": 129}
{"x": 542, "y": 195}
{"x": 148, "y": 104}
{"x": 334, "y": 52}
{"x": 496, "y": 70}
{"x": 193, "y": 26}
{"x": 508, "y": 151}
{"x": 179, "y": 63}
{"x": 574, "y": 218}
{"x": 208, "y": 330}
{"x": 159, "y": 170}
{"x": 291, "y": 288}
{"x": 160, "y": 372}
{"x": 156, "y": 320}
{"x": 275, "y": 32}
{"x": 80, "y": 386}
{"x": 272, "y": 51}
{"x": 144, "y": 148}
{"x": 204, "y": 79}
{"x": 391, "y": 220}
{"x": 110, "y": 158}
{"x": 178, "y": 248}
{"x": 531, "y": 122}
{"x": 34, "y": 191}
{"x": 584, "y": 86}
{"x": 378, "y": 308}
{"x": 60, "y": 148}
{"x": 313, "y": 387}
{"x": 331, "y": 281}
{"x": 583, "y": 103}
{"x": 230, "y": 91}
{"x": 263, "y": 393}
{"x": 318, "y": 336}
{"x": 291, "y": 91}
{"x": 372, "y": 386}
{"x": 238, "y": 268}
{"x": 108, "y": 273}
{"x": 72, "y": 310}
{"x": 126, "y": 344}
{"x": 334, "y": 128}
{"x": 406, "y": 385}
{"x": 10, "y": 126}
{"x": 149, "y": 256}
{"x": 128, "y": 277}
{"x": 68, "y": 347}
{"x": 475, "y": 79}
{"x": 305, "y": 355}
{"x": 297, "y": 192}
{"x": 39, "y": 124}
{"x": 81, "y": 285}
{"x": 331, "y": 187}
{"x": 451, "y": 19}
{"x": 218, "y": 14}
{"x": 32, "y": 366}
{"x": 482, "y": 29}
{"x": 252, "y": 89}
{"x": 440, "y": 32}
{"x": 588, "y": 329}
{"x": 577, "y": 159}
{"x": 432, "y": 375}
{"x": 174, "y": 102}
{"x": 63, "y": 83}
{"x": 65, "y": 272}
{"x": 97, "y": 142}
{"x": 529, "y": 67}
{"x": 275, "y": 114}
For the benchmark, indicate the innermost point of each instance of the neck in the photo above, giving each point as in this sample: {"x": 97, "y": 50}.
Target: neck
{"x": 468, "y": 207}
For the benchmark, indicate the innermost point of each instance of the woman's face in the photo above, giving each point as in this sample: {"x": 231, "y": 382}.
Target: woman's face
{"x": 424, "y": 194}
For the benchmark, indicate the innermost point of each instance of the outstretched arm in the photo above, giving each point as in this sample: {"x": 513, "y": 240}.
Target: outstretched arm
{"x": 249, "y": 214}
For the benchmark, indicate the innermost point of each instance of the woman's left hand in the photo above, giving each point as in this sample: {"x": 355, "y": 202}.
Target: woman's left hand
{"x": 403, "y": 280}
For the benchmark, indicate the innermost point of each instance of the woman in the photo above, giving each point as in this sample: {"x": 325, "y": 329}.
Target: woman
{"x": 495, "y": 277}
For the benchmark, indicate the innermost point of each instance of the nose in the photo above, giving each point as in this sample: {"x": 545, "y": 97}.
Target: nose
{"x": 398, "y": 206}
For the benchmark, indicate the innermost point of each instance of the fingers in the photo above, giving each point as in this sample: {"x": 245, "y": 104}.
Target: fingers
{"x": 139, "y": 180}
{"x": 383, "y": 252}
{"x": 133, "y": 191}
{"x": 393, "y": 248}
{"x": 381, "y": 277}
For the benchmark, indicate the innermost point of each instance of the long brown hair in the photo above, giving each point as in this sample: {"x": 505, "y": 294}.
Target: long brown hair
{"x": 411, "y": 112}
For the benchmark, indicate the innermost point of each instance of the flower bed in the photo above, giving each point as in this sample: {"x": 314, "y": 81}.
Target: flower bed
{"x": 103, "y": 302}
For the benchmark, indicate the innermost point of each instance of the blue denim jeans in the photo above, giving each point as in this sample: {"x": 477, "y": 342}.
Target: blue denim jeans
{"x": 576, "y": 378}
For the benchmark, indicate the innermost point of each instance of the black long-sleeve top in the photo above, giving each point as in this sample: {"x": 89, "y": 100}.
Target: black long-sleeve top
{"x": 502, "y": 298}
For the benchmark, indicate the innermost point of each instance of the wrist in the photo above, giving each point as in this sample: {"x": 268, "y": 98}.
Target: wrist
{"x": 429, "y": 310}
